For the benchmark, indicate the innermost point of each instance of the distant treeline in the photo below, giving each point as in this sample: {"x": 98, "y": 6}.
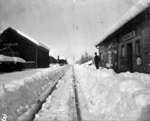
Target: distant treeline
{"x": 84, "y": 58}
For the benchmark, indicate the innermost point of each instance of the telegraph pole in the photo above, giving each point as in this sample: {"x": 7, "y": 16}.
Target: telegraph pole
{"x": 74, "y": 1}
{"x": 73, "y": 60}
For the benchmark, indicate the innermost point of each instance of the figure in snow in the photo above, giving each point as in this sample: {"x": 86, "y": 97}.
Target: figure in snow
{"x": 96, "y": 60}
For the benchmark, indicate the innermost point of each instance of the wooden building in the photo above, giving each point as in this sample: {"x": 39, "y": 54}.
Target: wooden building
{"x": 15, "y": 43}
{"x": 127, "y": 44}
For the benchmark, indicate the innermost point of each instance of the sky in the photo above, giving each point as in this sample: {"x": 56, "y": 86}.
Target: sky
{"x": 68, "y": 27}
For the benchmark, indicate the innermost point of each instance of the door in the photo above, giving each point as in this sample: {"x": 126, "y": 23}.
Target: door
{"x": 129, "y": 57}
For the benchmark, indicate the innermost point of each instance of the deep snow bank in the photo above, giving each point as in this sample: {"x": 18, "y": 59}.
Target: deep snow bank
{"x": 114, "y": 97}
{"x": 16, "y": 96}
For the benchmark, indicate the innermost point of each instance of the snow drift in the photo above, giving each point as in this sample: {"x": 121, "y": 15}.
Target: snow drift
{"x": 113, "y": 97}
{"x": 17, "y": 95}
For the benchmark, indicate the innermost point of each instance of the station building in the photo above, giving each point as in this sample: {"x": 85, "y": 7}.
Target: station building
{"x": 126, "y": 46}
{"x": 16, "y": 43}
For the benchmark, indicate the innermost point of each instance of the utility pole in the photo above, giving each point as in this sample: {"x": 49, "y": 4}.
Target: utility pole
{"x": 74, "y": 1}
{"x": 73, "y": 60}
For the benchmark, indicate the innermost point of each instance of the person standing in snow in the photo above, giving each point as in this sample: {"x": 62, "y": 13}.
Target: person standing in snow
{"x": 96, "y": 60}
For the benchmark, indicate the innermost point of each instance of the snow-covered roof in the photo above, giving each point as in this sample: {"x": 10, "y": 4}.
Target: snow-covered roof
{"x": 139, "y": 7}
{"x": 31, "y": 39}
{"x": 25, "y": 35}
{"x": 88, "y": 63}
{"x": 4, "y": 58}
{"x": 17, "y": 59}
{"x": 61, "y": 57}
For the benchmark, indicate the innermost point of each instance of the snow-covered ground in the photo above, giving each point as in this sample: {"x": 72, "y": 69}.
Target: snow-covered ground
{"x": 103, "y": 95}
{"x": 60, "y": 106}
{"x": 18, "y": 90}
{"x": 107, "y": 96}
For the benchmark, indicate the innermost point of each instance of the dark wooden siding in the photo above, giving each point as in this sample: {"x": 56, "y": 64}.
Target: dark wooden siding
{"x": 141, "y": 26}
{"x": 137, "y": 29}
{"x": 146, "y": 49}
{"x": 35, "y": 55}
{"x": 43, "y": 57}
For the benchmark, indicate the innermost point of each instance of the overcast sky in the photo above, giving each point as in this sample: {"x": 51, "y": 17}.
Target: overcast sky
{"x": 67, "y": 27}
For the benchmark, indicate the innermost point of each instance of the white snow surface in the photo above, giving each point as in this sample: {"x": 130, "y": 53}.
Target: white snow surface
{"x": 107, "y": 96}
{"x": 103, "y": 96}
{"x": 59, "y": 105}
{"x": 11, "y": 59}
{"x": 88, "y": 63}
{"x": 139, "y": 7}
{"x": 19, "y": 90}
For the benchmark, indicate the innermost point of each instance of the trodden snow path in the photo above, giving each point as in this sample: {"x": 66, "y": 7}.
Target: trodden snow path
{"x": 60, "y": 106}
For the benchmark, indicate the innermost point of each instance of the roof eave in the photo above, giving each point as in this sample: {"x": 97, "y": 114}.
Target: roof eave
{"x": 134, "y": 11}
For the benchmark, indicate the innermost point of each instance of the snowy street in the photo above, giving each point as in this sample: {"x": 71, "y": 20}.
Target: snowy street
{"x": 103, "y": 96}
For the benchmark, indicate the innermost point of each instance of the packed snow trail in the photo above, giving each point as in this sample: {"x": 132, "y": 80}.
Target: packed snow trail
{"x": 60, "y": 106}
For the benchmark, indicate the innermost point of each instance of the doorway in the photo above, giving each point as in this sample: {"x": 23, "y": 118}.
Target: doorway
{"x": 129, "y": 58}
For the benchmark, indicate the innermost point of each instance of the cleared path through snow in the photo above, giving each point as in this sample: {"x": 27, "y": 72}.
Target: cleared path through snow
{"x": 60, "y": 106}
{"x": 67, "y": 102}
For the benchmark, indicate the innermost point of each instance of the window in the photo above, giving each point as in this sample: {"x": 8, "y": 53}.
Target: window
{"x": 122, "y": 51}
{"x": 137, "y": 48}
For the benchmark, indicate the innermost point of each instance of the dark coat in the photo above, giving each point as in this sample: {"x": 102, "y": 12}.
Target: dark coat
{"x": 96, "y": 59}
